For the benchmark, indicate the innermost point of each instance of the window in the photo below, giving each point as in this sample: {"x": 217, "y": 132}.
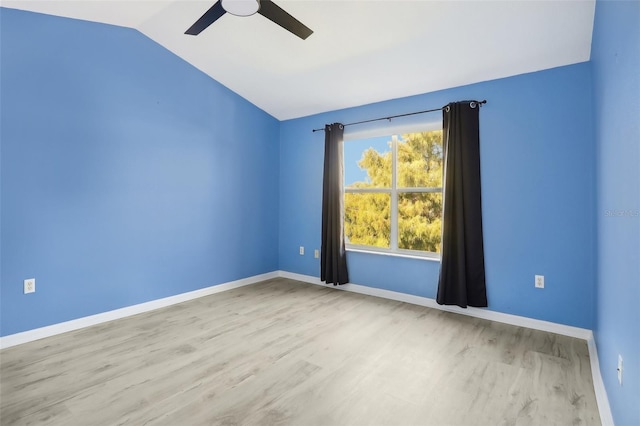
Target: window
{"x": 393, "y": 193}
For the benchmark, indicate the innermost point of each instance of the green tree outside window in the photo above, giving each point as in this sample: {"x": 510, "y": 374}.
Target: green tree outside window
{"x": 369, "y": 219}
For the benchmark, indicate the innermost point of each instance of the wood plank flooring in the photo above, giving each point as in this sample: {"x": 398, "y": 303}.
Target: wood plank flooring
{"x": 283, "y": 352}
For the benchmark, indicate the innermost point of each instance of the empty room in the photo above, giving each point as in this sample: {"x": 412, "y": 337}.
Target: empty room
{"x": 303, "y": 212}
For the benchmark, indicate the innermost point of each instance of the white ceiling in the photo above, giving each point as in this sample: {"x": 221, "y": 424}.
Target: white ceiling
{"x": 361, "y": 51}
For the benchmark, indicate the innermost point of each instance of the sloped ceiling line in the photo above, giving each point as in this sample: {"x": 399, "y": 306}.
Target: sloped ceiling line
{"x": 361, "y": 51}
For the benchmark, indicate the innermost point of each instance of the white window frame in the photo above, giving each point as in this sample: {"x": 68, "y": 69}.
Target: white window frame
{"x": 393, "y": 191}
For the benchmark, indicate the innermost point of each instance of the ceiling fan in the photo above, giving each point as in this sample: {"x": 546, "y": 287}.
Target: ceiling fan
{"x": 266, "y": 8}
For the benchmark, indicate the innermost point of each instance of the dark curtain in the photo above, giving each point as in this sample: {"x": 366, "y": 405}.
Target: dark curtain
{"x": 462, "y": 277}
{"x": 333, "y": 258}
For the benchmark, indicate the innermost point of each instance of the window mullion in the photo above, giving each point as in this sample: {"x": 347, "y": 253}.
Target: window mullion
{"x": 394, "y": 193}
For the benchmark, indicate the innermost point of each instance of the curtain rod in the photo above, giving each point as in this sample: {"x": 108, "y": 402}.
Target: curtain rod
{"x": 401, "y": 115}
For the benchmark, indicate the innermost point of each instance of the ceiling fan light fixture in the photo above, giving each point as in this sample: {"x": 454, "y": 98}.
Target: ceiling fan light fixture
{"x": 241, "y": 7}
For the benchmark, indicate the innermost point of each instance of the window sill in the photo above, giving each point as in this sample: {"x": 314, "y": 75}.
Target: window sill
{"x": 393, "y": 254}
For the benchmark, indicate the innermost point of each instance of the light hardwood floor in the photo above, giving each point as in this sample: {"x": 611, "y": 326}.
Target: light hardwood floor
{"x": 283, "y": 352}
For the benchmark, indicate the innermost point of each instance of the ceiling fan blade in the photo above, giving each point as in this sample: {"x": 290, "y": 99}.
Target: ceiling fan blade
{"x": 209, "y": 17}
{"x": 276, "y": 14}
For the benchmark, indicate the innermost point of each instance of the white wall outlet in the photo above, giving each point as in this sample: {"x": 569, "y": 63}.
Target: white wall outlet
{"x": 539, "y": 281}
{"x": 301, "y": 251}
{"x": 30, "y": 285}
{"x": 316, "y": 253}
{"x": 620, "y": 369}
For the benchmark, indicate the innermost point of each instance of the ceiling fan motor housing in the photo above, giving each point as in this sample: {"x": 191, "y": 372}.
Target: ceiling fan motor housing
{"x": 241, "y": 7}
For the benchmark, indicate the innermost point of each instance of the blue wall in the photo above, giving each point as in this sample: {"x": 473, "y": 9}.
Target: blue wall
{"x": 538, "y": 176}
{"x": 127, "y": 174}
{"x": 616, "y": 68}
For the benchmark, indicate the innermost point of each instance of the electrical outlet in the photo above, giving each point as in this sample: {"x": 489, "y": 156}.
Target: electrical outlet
{"x": 316, "y": 253}
{"x": 539, "y": 283}
{"x": 30, "y": 285}
{"x": 301, "y": 251}
{"x": 620, "y": 369}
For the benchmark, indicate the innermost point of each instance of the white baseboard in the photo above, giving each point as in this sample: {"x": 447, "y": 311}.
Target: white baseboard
{"x": 52, "y": 330}
{"x": 566, "y": 330}
{"x": 63, "y": 327}
{"x": 598, "y": 385}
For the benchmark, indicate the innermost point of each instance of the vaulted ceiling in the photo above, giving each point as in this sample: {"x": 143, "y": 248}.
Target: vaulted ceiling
{"x": 361, "y": 51}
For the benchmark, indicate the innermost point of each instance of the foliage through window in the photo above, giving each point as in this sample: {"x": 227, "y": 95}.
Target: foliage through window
{"x": 393, "y": 193}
